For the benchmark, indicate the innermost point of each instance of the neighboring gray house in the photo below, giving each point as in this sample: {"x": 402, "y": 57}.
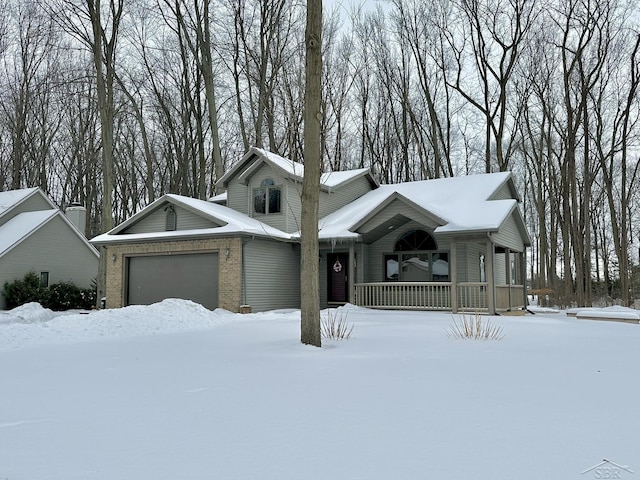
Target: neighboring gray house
{"x": 36, "y": 236}
{"x": 449, "y": 244}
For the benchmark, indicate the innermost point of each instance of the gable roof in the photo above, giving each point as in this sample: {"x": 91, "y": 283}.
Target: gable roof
{"x": 25, "y": 224}
{"x": 458, "y": 204}
{"x": 256, "y": 157}
{"x": 230, "y": 222}
{"x": 12, "y": 198}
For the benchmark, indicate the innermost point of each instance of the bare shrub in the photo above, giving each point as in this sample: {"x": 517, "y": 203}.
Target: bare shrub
{"x": 334, "y": 325}
{"x": 474, "y": 328}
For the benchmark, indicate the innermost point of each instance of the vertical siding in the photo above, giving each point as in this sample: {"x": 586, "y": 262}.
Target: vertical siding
{"x": 509, "y": 235}
{"x": 272, "y": 275}
{"x": 54, "y": 248}
{"x": 156, "y": 221}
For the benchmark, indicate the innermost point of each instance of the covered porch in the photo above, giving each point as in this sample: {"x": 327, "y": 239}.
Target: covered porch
{"x": 416, "y": 273}
{"x": 459, "y": 256}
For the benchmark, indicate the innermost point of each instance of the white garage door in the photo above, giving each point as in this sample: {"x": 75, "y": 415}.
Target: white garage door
{"x": 192, "y": 276}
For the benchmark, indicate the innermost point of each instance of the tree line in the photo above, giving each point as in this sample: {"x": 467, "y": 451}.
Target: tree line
{"x": 112, "y": 104}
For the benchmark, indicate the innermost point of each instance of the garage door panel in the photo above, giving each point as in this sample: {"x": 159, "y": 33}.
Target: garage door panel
{"x": 187, "y": 276}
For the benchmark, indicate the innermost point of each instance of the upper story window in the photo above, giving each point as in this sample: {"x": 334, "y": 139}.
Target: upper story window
{"x": 267, "y": 198}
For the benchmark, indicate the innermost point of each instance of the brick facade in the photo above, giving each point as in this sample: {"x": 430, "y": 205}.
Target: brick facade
{"x": 229, "y": 275}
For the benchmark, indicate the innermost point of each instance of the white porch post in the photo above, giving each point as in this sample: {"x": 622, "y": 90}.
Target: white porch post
{"x": 507, "y": 254}
{"x": 523, "y": 277}
{"x": 453, "y": 272}
{"x": 351, "y": 281}
{"x": 491, "y": 282}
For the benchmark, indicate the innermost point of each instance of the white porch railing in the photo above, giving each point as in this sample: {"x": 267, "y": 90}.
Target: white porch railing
{"x": 471, "y": 296}
{"x": 404, "y": 295}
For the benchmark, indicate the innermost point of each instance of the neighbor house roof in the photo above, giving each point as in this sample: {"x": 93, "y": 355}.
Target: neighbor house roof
{"x": 459, "y": 205}
{"x": 12, "y": 198}
{"x": 231, "y": 223}
{"x": 23, "y": 225}
{"x": 294, "y": 170}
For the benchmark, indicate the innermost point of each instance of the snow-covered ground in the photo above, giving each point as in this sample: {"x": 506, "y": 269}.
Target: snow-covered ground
{"x": 173, "y": 391}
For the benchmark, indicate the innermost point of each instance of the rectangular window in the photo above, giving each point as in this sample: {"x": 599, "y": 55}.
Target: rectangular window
{"x": 274, "y": 200}
{"x": 440, "y": 267}
{"x": 391, "y": 268}
{"x": 416, "y": 267}
{"x": 259, "y": 200}
{"x": 44, "y": 279}
{"x": 267, "y": 200}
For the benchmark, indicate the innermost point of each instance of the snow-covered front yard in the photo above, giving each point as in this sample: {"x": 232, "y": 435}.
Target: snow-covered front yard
{"x": 174, "y": 391}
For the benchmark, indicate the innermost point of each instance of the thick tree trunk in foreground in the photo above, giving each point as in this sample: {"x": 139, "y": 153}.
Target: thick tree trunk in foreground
{"x": 309, "y": 278}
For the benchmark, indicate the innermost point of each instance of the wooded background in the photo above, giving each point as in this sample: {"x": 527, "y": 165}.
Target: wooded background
{"x": 113, "y": 103}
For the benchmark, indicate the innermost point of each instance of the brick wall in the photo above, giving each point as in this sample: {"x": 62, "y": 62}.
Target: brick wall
{"x": 230, "y": 266}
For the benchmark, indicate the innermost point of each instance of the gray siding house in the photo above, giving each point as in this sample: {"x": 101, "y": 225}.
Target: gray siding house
{"x": 36, "y": 236}
{"x": 446, "y": 244}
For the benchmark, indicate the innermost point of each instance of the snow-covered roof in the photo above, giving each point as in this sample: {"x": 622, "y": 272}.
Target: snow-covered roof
{"x": 11, "y": 198}
{"x": 231, "y": 223}
{"x": 460, "y": 203}
{"x": 21, "y": 226}
{"x": 291, "y": 169}
{"x": 220, "y": 198}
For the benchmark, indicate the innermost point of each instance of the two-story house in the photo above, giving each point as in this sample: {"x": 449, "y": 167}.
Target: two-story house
{"x": 36, "y": 236}
{"x": 450, "y": 244}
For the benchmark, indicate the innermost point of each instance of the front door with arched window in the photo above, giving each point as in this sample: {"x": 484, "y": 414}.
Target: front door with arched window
{"x": 416, "y": 258}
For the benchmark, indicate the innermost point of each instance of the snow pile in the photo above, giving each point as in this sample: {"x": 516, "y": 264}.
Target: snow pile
{"x": 616, "y": 313}
{"x": 28, "y": 313}
{"x": 31, "y": 324}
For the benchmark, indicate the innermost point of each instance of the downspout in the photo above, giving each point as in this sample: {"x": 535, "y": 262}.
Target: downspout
{"x": 243, "y": 272}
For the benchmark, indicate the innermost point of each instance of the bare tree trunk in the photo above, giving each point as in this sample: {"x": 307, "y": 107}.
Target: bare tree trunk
{"x": 310, "y": 284}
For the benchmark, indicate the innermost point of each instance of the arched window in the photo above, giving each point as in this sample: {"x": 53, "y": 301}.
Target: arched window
{"x": 415, "y": 240}
{"x": 266, "y": 199}
{"x": 416, "y": 259}
{"x": 170, "y": 219}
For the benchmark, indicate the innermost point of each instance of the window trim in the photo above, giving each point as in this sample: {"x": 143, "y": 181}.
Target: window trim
{"x": 267, "y": 186}
{"x": 171, "y": 219}
{"x": 398, "y": 257}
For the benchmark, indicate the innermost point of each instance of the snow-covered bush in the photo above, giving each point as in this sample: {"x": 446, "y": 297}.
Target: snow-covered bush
{"x": 59, "y": 296}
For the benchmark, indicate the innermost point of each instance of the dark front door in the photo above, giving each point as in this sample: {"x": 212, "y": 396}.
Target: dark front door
{"x": 338, "y": 281}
